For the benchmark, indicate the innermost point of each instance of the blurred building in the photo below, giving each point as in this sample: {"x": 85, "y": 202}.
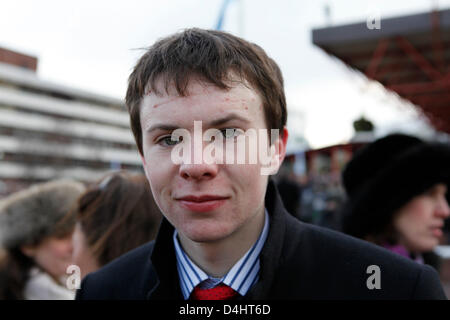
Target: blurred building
{"x": 329, "y": 161}
{"x": 324, "y": 192}
{"x": 48, "y": 130}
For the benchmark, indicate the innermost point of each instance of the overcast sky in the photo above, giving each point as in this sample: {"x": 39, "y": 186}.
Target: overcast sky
{"x": 93, "y": 44}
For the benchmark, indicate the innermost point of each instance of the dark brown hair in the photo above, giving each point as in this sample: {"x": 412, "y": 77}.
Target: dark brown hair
{"x": 210, "y": 56}
{"x": 14, "y": 273}
{"x": 117, "y": 214}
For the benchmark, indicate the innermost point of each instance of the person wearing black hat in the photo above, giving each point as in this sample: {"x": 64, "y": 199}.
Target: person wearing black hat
{"x": 396, "y": 189}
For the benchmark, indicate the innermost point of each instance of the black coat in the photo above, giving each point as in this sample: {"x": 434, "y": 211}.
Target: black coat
{"x": 298, "y": 261}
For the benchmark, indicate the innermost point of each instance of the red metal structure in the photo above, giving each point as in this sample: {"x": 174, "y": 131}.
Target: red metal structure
{"x": 409, "y": 55}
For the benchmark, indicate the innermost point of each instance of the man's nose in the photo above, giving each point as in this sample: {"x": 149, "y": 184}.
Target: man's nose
{"x": 202, "y": 171}
{"x": 197, "y": 166}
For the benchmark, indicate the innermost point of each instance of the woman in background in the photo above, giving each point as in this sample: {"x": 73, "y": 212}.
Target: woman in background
{"x": 114, "y": 215}
{"x": 35, "y": 237}
{"x": 397, "y": 188}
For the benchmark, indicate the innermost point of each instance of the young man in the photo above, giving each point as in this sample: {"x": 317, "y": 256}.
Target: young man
{"x": 199, "y": 102}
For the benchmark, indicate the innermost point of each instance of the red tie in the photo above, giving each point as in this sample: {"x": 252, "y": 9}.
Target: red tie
{"x": 221, "y": 292}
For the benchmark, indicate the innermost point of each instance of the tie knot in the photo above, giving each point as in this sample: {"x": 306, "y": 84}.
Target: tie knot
{"x": 220, "y": 292}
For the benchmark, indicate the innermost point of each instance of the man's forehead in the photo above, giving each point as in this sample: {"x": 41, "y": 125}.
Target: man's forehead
{"x": 204, "y": 104}
{"x": 201, "y": 93}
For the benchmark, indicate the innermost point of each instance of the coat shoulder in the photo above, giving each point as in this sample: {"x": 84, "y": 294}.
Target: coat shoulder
{"x": 347, "y": 267}
{"x": 128, "y": 277}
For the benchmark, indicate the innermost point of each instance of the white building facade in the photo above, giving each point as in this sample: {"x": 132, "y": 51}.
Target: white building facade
{"x": 50, "y": 131}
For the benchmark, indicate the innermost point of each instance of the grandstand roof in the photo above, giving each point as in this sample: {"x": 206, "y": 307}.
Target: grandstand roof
{"x": 409, "y": 55}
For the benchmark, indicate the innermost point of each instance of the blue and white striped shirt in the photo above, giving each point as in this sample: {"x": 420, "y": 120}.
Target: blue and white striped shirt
{"x": 241, "y": 276}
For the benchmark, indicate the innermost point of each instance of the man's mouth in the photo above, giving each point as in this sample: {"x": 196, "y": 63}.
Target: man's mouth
{"x": 201, "y": 203}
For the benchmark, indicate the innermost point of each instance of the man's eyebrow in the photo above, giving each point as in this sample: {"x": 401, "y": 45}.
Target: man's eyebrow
{"x": 218, "y": 122}
{"x": 230, "y": 117}
{"x": 163, "y": 127}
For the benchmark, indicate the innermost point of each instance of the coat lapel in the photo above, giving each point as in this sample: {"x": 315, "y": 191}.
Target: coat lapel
{"x": 165, "y": 274}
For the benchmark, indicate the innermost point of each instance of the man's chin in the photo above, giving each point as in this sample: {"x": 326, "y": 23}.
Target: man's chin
{"x": 206, "y": 235}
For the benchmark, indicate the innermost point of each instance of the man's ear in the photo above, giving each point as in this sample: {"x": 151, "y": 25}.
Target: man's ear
{"x": 278, "y": 153}
{"x": 282, "y": 143}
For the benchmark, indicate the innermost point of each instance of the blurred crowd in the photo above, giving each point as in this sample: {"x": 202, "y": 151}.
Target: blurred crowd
{"x": 50, "y": 226}
{"x": 394, "y": 193}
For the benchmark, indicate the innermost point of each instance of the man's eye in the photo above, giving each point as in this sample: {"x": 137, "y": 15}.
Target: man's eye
{"x": 229, "y": 133}
{"x": 168, "y": 141}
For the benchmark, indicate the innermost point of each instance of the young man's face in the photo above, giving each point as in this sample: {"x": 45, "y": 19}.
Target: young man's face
{"x": 204, "y": 201}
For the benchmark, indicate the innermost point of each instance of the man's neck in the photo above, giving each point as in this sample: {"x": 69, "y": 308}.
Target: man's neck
{"x": 218, "y": 257}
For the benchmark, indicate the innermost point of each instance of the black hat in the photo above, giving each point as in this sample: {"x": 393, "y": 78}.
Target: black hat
{"x": 385, "y": 175}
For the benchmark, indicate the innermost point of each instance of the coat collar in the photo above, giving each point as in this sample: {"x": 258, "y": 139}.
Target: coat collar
{"x": 164, "y": 260}
{"x": 164, "y": 265}
{"x": 270, "y": 257}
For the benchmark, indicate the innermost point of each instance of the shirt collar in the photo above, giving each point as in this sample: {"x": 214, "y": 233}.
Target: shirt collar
{"x": 240, "y": 277}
